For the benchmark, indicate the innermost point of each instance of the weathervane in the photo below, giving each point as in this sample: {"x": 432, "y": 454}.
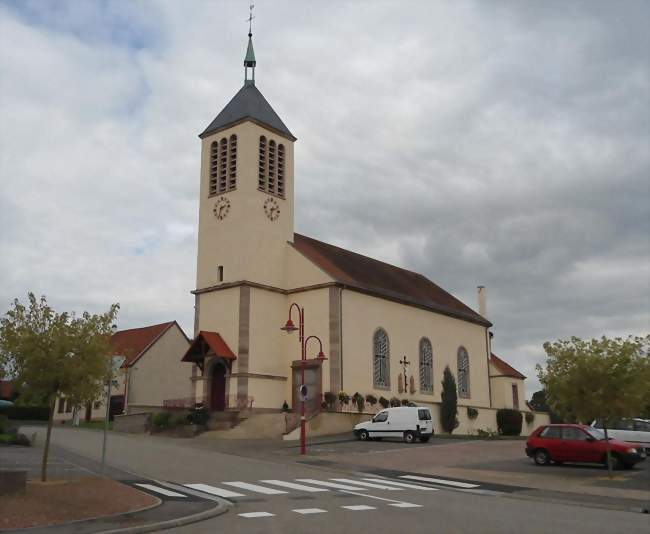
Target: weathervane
{"x": 250, "y": 20}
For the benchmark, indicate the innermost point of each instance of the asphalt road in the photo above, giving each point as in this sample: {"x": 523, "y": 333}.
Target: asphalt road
{"x": 265, "y": 503}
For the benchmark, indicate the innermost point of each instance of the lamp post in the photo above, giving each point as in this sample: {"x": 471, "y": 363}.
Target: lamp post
{"x": 290, "y": 327}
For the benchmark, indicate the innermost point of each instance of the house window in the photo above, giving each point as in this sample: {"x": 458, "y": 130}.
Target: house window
{"x": 463, "y": 373}
{"x": 220, "y": 273}
{"x": 61, "y": 405}
{"x": 426, "y": 366}
{"x": 68, "y": 406}
{"x": 381, "y": 359}
{"x": 271, "y": 167}
{"x": 515, "y": 397}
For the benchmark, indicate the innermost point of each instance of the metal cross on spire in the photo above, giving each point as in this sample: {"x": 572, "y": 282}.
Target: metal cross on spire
{"x": 250, "y": 20}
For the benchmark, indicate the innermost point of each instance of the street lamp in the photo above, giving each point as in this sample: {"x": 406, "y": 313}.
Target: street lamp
{"x": 289, "y": 327}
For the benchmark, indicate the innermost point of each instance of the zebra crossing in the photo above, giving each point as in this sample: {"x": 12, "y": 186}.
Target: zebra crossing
{"x": 359, "y": 486}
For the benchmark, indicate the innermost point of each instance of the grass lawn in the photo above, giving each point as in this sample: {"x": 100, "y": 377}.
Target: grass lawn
{"x": 6, "y": 438}
{"x": 95, "y": 425}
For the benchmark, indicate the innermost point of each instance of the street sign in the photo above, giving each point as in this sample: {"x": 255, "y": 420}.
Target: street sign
{"x": 302, "y": 391}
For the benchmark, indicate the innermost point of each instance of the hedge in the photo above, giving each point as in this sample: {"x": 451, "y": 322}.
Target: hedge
{"x": 26, "y": 413}
{"x": 509, "y": 422}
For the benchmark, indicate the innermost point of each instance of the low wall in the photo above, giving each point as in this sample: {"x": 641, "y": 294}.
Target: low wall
{"x": 329, "y": 423}
{"x": 133, "y": 423}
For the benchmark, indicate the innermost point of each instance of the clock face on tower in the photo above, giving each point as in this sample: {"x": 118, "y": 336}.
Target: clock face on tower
{"x": 271, "y": 208}
{"x": 221, "y": 208}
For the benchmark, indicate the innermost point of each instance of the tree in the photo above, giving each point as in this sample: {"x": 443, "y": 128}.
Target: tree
{"x": 598, "y": 379}
{"x": 52, "y": 354}
{"x": 449, "y": 406}
{"x": 539, "y": 404}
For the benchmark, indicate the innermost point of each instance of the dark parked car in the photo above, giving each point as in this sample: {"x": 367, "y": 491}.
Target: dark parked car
{"x": 580, "y": 443}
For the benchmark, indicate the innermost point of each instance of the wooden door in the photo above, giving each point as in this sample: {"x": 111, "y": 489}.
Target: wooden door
{"x": 218, "y": 390}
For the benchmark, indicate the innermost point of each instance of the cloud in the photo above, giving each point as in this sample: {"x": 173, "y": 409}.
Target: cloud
{"x": 502, "y": 145}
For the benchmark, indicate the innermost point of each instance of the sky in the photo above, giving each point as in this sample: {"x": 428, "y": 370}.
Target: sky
{"x": 504, "y": 144}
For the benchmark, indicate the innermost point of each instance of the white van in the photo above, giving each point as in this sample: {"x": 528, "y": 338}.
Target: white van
{"x": 407, "y": 422}
{"x": 630, "y": 430}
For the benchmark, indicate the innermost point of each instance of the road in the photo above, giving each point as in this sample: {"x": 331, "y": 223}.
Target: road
{"x": 291, "y": 495}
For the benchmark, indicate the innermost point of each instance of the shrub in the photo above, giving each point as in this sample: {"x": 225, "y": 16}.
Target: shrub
{"x": 285, "y": 407}
{"x": 344, "y": 398}
{"x": 487, "y": 433}
{"x": 198, "y": 416}
{"x": 371, "y": 399}
{"x": 472, "y": 413}
{"x": 26, "y": 413}
{"x": 330, "y": 399}
{"x": 178, "y": 419}
{"x": 385, "y": 403}
{"x": 509, "y": 422}
{"x": 160, "y": 420}
{"x": 449, "y": 406}
{"x": 405, "y": 402}
{"x": 4, "y": 424}
{"x": 394, "y": 402}
{"x": 358, "y": 399}
{"x": 530, "y": 417}
{"x": 21, "y": 439}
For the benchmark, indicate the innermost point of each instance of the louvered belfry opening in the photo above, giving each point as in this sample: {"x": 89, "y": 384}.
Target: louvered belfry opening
{"x": 261, "y": 177}
{"x": 223, "y": 166}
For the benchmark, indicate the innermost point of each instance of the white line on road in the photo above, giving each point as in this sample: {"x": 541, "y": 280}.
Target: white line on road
{"x": 441, "y": 481}
{"x": 405, "y": 505}
{"x": 401, "y": 484}
{"x": 255, "y": 488}
{"x": 359, "y": 507}
{"x": 366, "y": 484}
{"x": 214, "y": 491}
{"x": 162, "y": 491}
{"x": 256, "y": 514}
{"x": 292, "y": 485}
{"x": 330, "y": 484}
{"x": 306, "y": 511}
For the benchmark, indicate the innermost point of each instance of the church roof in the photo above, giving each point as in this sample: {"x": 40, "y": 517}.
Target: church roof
{"x": 250, "y": 104}
{"x": 134, "y": 342}
{"x": 504, "y": 368}
{"x": 376, "y": 277}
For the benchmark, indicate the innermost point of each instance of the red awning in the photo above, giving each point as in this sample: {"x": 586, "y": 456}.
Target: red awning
{"x": 208, "y": 344}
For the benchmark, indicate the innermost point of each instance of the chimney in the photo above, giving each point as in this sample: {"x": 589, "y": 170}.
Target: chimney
{"x": 482, "y": 301}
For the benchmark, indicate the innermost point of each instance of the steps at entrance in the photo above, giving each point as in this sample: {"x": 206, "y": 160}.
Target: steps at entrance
{"x": 225, "y": 420}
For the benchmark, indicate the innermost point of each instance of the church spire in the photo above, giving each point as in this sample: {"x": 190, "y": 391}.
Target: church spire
{"x": 249, "y": 60}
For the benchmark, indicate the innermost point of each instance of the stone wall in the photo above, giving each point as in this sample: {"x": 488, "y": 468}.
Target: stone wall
{"x": 134, "y": 423}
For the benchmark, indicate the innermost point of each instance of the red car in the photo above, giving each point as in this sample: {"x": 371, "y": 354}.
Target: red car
{"x": 580, "y": 443}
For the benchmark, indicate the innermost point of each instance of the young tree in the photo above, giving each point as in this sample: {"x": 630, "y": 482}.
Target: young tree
{"x": 49, "y": 354}
{"x": 598, "y": 379}
{"x": 449, "y": 406}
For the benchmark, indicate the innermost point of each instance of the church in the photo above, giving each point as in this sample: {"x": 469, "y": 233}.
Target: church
{"x": 361, "y": 325}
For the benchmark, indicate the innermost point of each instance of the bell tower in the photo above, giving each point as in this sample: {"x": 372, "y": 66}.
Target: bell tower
{"x": 246, "y": 193}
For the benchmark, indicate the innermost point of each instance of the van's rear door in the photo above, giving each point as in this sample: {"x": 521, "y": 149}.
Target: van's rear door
{"x": 424, "y": 420}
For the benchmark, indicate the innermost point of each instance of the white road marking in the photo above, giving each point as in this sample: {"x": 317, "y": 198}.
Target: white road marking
{"x": 255, "y": 488}
{"x": 405, "y": 505}
{"x": 401, "y": 484}
{"x": 366, "y": 484}
{"x": 441, "y": 481}
{"x": 305, "y": 511}
{"x": 365, "y": 495}
{"x": 162, "y": 491}
{"x": 330, "y": 484}
{"x": 256, "y": 514}
{"x": 214, "y": 491}
{"x": 293, "y": 485}
{"x": 359, "y": 507}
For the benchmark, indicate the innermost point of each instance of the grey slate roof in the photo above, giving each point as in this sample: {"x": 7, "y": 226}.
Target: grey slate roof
{"x": 248, "y": 103}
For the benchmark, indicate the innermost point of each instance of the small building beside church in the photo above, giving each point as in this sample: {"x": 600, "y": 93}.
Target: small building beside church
{"x": 383, "y": 330}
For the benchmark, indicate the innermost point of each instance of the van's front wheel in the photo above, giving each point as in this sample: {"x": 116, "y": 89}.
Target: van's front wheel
{"x": 409, "y": 437}
{"x": 363, "y": 435}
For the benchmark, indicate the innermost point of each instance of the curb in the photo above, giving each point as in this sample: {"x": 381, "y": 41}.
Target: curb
{"x": 221, "y": 508}
{"x": 567, "y": 501}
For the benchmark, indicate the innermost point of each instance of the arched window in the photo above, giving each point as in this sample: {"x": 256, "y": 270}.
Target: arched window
{"x": 426, "y": 366}
{"x": 214, "y": 167}
{"x": 381, "y": 359}
{"x": 463, "y": 373}
{"x": 270, "y": 184}
{"x": 223, "y": 164}
{"x": 232, "y": 167}
{"x": 281, "y": 170}
{"x": 261, "y": 175}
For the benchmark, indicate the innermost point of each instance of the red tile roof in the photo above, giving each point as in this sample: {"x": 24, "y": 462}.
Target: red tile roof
{"x": 134, "y": 342}
{"x": 376, "y": 277}
{"x": 211, "y": 340}
{"x": 504, "y": 368}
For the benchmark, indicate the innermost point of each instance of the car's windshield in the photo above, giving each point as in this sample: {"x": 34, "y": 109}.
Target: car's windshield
{"x": 594, "y": 432}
